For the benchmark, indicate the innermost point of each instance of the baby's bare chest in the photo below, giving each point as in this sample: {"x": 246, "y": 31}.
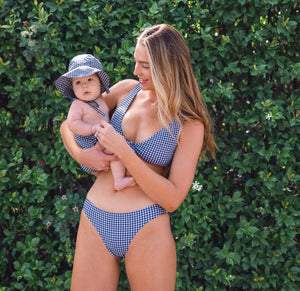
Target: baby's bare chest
{"x": 93, "y": 114}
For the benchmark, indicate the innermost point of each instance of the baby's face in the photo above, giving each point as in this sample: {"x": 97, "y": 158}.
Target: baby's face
{"x": 87, "y": 88}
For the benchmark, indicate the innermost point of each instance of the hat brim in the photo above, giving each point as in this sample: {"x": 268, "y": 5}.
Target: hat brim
{"x": 64, "y": 84}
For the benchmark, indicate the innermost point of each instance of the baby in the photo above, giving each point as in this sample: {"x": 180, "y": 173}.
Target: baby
{"x": 84, "y": 82}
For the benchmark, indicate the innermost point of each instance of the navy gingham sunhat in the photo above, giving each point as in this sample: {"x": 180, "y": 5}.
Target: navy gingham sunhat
{"x": 81, "y": 66}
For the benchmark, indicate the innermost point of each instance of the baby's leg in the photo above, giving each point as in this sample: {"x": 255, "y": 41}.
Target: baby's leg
{"x": 120, "y": 180}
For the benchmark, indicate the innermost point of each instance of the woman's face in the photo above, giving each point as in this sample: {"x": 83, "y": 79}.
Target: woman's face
{"x": 142, "y": 67}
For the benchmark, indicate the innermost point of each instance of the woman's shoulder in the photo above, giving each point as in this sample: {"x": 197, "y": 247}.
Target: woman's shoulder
{"x": 127, "y": 83}
{"x": 194, "y": 125}
{"x": 122, "y": 88}
{"x": 118, "y": 91}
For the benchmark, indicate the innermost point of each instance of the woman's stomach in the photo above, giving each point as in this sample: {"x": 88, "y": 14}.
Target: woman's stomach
{"x": 103, "y": 195}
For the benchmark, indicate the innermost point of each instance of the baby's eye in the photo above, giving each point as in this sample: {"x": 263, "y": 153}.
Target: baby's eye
{"x": 77, "y": 83}
{"x": 90, "y": 79}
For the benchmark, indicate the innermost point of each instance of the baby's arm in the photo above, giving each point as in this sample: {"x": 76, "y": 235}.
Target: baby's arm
{"x": 75, "y": 122}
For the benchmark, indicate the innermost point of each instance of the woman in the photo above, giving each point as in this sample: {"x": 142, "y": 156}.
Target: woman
{"x": 160, "y": 125}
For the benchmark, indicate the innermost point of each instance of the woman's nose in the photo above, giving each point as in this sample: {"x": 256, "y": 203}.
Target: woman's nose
{"x": 136, "y": 70}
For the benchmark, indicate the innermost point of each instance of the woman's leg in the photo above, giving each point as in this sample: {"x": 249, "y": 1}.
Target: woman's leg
{"x": 151, "y": 257}
{"x": 94, "y": 267}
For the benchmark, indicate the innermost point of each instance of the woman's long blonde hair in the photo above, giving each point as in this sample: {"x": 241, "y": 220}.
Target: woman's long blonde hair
{"x": 173, "y": 78}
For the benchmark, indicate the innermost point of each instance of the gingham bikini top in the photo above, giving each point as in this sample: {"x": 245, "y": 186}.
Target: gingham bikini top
{"x": 160, "y": 147}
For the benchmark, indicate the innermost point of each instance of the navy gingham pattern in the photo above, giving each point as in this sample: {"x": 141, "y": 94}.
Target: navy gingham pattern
{"x": 85, "y": 142}
{"x": 156, "y": 150}
{"x": 118, "y": 229}
{"x": 81, "y": 66}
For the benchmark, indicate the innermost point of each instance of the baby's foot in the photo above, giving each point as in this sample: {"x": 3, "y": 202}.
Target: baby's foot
{"x": 124, "y": 182}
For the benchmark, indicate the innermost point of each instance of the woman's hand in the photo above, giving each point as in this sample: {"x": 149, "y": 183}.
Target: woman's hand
{"x": 93, "y": 157}
{"x": 109, "y": 137}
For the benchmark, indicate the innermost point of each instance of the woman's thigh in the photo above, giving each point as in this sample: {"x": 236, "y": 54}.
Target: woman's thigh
{"x": 94, "y": 267}
{"x": 151, "y": 257}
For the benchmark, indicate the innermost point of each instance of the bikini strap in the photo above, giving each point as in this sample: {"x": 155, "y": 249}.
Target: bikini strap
{"x": 94, "y": 104}
{"x": 125, "y": 103}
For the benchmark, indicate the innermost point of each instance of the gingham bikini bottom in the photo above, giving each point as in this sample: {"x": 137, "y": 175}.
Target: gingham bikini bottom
{"x": 118, "y": 229}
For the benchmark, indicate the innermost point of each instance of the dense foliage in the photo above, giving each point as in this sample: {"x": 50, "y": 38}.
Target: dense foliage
{"x": 238, "y": 229}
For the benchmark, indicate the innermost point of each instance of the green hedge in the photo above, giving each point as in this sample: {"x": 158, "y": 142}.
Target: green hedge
{"x": 238, "y": 229}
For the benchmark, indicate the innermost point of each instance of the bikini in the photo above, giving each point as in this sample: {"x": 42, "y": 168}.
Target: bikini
{"x": 118, "y": 229}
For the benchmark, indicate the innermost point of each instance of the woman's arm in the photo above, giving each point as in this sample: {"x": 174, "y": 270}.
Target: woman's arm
{"x": 167, "y": 192}
{"x": 92, "y": 157}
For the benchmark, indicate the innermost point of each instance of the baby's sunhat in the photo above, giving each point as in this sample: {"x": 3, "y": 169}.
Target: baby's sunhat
{"x": 81, "y": 66}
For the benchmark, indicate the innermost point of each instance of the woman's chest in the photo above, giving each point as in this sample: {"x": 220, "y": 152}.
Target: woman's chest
{"x": 139, "y": 123}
